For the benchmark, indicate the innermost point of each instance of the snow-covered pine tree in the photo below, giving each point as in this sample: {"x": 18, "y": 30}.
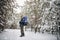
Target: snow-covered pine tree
{"x": 5, "y": 8}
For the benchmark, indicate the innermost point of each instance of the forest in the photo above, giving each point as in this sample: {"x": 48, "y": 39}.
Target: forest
{"x": 42, "y": 14}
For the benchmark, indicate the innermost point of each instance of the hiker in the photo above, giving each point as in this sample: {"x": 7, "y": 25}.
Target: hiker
{"x": 23, "y": 22}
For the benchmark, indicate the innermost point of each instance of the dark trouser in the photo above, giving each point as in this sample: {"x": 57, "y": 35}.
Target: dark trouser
{"x": 22, "y": 30}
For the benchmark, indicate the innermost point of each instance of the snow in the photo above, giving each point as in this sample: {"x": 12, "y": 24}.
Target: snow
{"x": 13, "y": 34}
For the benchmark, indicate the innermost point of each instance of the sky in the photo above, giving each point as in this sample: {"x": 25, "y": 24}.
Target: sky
{"x": 20, "y": 3}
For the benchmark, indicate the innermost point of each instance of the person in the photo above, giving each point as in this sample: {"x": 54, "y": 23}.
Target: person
{"x": 23, "y": 23}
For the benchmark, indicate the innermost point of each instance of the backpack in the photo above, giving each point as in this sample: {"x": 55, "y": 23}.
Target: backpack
{"x": 24, "y": 21}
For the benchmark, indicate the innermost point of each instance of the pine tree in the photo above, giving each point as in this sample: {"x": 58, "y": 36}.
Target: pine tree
{"x": 5, "y": 8}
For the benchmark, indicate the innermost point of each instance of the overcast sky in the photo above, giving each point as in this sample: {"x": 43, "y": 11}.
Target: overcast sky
{"x": 20, "y": 3}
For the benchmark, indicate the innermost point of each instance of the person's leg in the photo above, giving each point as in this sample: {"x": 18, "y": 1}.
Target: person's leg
{"x": 22, "y": 31}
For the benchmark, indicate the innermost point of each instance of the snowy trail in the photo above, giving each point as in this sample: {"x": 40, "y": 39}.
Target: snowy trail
{"x": 10, "y": 34}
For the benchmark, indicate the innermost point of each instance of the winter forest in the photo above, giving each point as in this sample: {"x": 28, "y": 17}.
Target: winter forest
{"x": 43, "y": 18}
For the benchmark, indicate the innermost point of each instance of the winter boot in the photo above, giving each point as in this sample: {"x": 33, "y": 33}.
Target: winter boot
{"x": 22, "y": 35}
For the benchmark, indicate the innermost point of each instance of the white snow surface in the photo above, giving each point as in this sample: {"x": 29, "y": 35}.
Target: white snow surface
{"x": 14, "y": 34}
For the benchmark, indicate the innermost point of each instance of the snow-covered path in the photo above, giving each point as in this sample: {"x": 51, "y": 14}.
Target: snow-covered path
{"x": 10, "y": 34}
